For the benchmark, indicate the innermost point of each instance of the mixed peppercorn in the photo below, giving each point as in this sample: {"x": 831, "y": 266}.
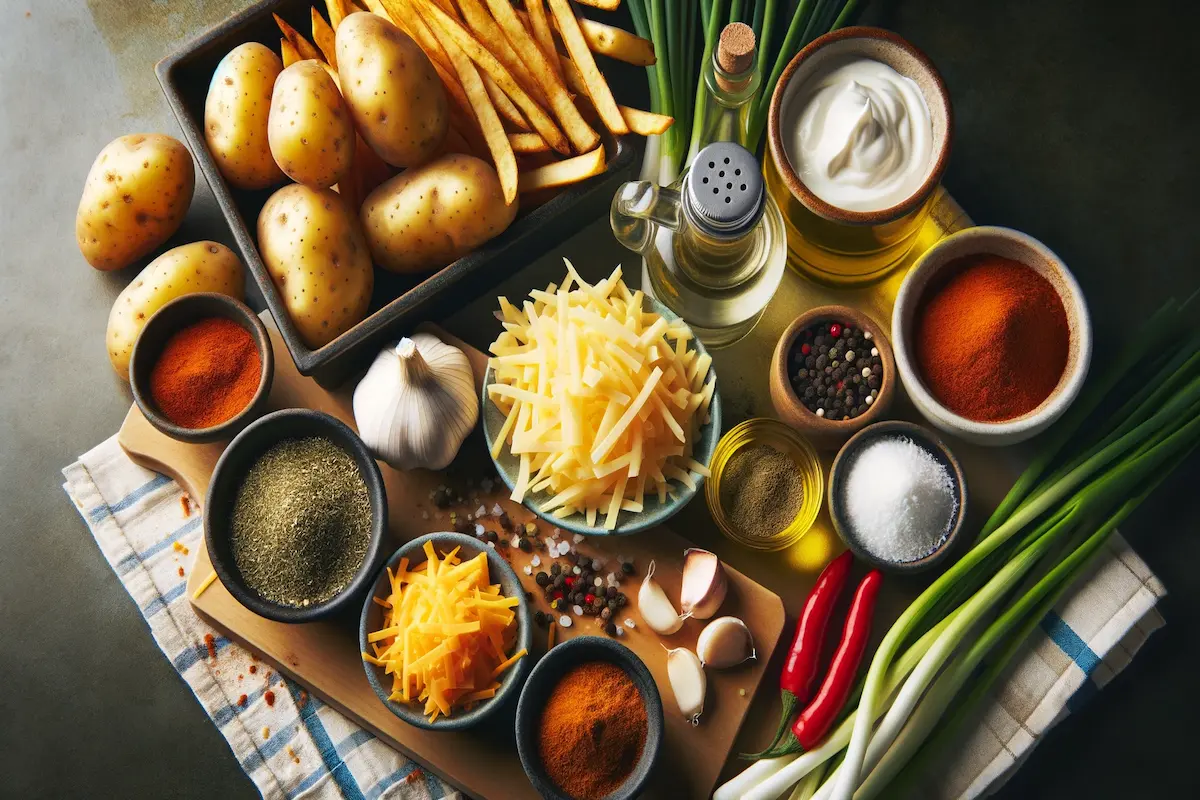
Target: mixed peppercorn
{"x": 835, "y": 370}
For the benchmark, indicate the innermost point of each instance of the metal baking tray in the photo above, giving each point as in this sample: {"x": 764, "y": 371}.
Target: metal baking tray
{"x": 398, "y": 301}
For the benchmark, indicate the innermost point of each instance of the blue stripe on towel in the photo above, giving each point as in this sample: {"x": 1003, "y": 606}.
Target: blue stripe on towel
{"x": 336, "y": 767}
{"x": 101, "y": 512}
{"x": 163, "y": 600}
{"x": 352, "y": 742}
{"x": 129, "y": 562}
{"x": 269, "y": 748}
{"x": 389, "y": 781}
{"x": 1070, "y": 643}
{"x": 197, "y": 653}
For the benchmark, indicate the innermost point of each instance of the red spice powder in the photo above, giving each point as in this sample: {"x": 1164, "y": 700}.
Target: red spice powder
{"x": 253, "y": 669}
{"x": 181, "y": 572}
{"x": 211, "y": 644}
{"x": 187, "y": 509}
{"x": 991, "y": 339}
{"x": 242, "y": 700}
{"x": 269, "y": 696}
{"x": 207, "y": 373}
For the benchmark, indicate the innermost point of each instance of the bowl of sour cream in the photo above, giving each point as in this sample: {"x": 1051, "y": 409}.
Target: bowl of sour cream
{"x": 859, "y": 134}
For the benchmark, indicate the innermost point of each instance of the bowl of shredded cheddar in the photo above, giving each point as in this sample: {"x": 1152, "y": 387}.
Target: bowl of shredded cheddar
{"x": 446, "y": 632}
{"x": 600, "y": 407}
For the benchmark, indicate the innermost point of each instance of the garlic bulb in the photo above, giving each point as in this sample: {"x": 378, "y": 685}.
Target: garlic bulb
{"x": 417, "y": 403}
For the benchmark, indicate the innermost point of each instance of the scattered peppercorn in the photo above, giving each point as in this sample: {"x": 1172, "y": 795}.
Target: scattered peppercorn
{"x": 627, "y": 567}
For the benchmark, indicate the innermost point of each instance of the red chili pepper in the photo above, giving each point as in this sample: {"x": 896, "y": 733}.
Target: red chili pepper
{"x": 814, "y": 722}
{"x": 800, "y": 666}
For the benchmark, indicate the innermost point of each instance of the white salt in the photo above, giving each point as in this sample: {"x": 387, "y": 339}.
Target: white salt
{"x": 899, "y": 499}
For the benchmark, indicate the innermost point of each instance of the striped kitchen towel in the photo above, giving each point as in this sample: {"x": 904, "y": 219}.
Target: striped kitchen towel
{"x": 292, "y": 745}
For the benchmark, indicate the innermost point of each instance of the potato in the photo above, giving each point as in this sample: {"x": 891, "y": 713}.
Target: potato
{"x": 309, "y": 128}
{"x": 189, "y": 268}
{"x": 314, "y": 251}
{"x": 136, "y": 195}
{"x": 395, "y": 96}
{"x": 427, "y": 217}
{"x": 236, "y": 114}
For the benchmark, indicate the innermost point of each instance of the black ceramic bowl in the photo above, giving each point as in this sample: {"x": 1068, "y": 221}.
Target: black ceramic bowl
{"x": 841, "y": 467}
{"x": 232, "y": 467}
{"x": 170, "y": 319}
{"x": 541, "y": 683}
{"x": 511, "y": 680}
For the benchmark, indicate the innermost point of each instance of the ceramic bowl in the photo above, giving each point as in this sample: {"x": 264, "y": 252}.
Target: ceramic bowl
{"x": 824, "y": 432}
{"x": 227, "y": 478}
{"x": 170, "y": 319}
{"x": 511, "y": 680}
{"x": 654, "y": 512}
{"x": 841, "y": 467}
{"x": 1020, "y": 247}
{"x": 543, "y": 679}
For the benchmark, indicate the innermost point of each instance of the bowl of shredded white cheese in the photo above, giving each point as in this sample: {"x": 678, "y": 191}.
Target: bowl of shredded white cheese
{"x": 897, "y": 496}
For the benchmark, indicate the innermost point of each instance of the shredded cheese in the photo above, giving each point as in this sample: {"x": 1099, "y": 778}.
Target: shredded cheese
{"x": 445, "y": 632}
{"x": 212, "y": 576}
{"x": 603, "y": 401}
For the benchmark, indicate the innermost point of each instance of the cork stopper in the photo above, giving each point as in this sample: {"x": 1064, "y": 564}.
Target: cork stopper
{"x": 735, "y": 48}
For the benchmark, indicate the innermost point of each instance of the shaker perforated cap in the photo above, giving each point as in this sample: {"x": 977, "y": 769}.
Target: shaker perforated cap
{"x": 725, "y": 194}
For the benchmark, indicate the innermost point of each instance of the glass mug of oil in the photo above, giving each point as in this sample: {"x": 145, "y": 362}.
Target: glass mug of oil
{"x": 859, "y": 134}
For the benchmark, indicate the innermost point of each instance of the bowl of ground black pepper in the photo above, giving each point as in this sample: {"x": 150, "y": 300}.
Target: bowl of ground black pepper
{"x": 201, "y": 368}
{"x": 589, "y": 722}
{"x": 832, "y": 374}
{"x": 766, "y": 486}
{"x": 992, "y": 334}
{"x": 295, "y": 516}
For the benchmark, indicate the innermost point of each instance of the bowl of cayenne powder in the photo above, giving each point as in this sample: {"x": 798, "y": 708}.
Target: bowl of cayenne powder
{"x": 991, "y": 336}
{"x": 589, "y": 722}
{"x": 201, "y": 368}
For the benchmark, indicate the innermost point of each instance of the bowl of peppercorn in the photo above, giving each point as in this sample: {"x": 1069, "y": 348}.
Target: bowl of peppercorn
{"x": 832, "y": 374}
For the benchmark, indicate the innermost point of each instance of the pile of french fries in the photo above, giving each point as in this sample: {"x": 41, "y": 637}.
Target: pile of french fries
{"x": 523, "y": 85}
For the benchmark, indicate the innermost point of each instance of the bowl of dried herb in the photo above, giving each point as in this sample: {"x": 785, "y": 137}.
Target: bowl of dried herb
{"x": 295, "y": 516}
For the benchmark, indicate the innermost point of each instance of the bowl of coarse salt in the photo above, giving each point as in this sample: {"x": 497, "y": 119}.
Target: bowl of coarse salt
{"x": 897, "y": 496}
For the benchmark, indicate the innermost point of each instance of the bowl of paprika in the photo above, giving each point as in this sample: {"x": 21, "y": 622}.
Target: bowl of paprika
{"x": 991, "y": 335}
{"x": 201, "y": 368}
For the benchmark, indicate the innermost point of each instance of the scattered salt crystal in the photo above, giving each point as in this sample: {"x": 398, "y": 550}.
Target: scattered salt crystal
{"x": 629, "y": 623}
{"x": 497, "y": 510}
{"x": 577, "y": 538}
{"x": 899, "y": 499}
{"x": 563, "y": 548}
{"x": 620, "y": 632}
{"x": 479, "y": 529}
{"x": 565, "y": 621}
{"x": 528, "y": 570}
{"x": 492, "y": 545}
{"x": 612, "y": 579}
{"x": 578, "y": 610}
{"x": 536, "y": 560}
{"x": 479, "y": 512}
{"x": 424, "y": 515}
{"x": 516, "y": 541}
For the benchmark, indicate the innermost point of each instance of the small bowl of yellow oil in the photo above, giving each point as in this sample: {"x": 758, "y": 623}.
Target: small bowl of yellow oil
{"x": 766, "y": 486}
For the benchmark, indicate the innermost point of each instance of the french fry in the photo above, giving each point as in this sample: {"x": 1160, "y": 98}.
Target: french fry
{"x": 338, "y": 11}
{"x": 324, "y": 36}
{"x": 645, "y": 123}
{"x": 504, "y": 107}
{"x": 485, "y": 113}
{"x": 607, "y": 40}
{"x": 287, "y": 51}
{"x": 479, "y": 54}
{"x": 562, "y": 173}
{"x": 303, "y": 46}
{"x": 486, "y": 30}
{"x": 568, "y": 29}
{"x": 583, "y": 137}
{"x": 603, "y": 5}
{"x": 528, "y": 143}
{"x": 572, "y": 76}
{"x": 540, "y": 26}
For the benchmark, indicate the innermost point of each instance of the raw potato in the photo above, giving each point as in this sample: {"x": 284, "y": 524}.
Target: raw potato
{"x": 427, "y": 217}
{"x": 309, "y": 128}
{"x": 236, "y": 113}
{"x": 395, "y": 96}
{"x": 136, "y": 195}
{"x": 317, "y": 259}
{"x": 190, "y": 268}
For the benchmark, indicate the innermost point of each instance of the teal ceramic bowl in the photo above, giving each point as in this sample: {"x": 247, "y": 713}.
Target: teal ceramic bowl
{"x": 654, "y": 513}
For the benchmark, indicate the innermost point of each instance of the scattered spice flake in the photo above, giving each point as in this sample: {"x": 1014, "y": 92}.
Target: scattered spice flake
{"x": 253, "y": 668}
{"x": 550, "y": 637}
{"x": 269, "y": 696}
{"x": 179, "y": 548}
{"x": 211, "y": 644}
{"x": 266, "y": 732}
{"x": 242, "y": 700}
{"x": 303, "y": 700}
{"x": 292, "y": 753}
{"x": 187, "y": 508}
{"x": 240, "y": 676}
{"x": 181, "y": 572}
{"x": 212, "y": 576}
{"x": 415, "y": 775}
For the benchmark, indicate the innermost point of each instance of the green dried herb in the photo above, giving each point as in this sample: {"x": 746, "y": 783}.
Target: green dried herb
{"x": 301, "y": 522}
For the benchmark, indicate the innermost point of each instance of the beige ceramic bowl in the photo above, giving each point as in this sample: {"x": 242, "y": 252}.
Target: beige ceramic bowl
{"x": 1020, "y": 247}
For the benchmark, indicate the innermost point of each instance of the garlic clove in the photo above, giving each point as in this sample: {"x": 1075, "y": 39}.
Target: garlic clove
{"x": 655, "y": 607}
{"x": 704, "y": 584}
{"x": 725, "y": 642}
{"x": 685, "y": 673}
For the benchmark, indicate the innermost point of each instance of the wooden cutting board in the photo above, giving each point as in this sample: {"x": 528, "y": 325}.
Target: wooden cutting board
{"x": 324, "y": 656}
